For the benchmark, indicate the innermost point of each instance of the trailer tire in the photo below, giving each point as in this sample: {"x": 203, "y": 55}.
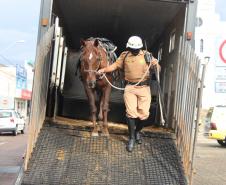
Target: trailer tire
{"x": 222, "y": 142}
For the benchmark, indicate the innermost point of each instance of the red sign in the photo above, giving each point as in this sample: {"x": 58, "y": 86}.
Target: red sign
{"x": 25, "y": 94}
{"x": 221, "y": 51}
{"x": 4, "y": 101}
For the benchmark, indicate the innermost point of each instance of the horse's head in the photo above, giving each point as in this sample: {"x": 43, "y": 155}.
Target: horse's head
{"x": 90, "y": 61}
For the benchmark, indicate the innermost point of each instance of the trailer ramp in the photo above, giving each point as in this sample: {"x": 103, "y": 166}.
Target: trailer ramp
{"x": 68, "y": 155}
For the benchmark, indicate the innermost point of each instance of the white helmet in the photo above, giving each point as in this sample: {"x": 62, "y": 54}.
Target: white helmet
{"x": 134, "y": 42}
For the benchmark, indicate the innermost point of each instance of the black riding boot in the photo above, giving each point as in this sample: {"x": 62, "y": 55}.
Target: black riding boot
{"x": 131, "y": 129}
{"x": 139, "y": 126}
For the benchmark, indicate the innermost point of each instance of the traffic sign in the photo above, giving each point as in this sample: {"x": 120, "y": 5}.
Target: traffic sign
{"x": 220, "y": 73}
{"x": 220, "y": 87}
{"x": 222, "y": 51}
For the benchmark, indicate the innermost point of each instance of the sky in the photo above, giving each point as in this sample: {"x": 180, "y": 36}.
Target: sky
{"x": 19, "y": 21}
{"x": 220, "y": 9}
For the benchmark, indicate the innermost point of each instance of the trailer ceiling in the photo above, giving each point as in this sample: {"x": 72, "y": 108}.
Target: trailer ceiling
{"x": 115, "y": 19}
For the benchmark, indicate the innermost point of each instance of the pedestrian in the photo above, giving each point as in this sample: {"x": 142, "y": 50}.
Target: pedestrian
{"x": 136, "y": 64}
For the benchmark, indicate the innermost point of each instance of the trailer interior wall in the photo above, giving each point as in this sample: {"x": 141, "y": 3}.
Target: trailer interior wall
{"x": 168, "y": 61}
{"x": 115, "y": 20}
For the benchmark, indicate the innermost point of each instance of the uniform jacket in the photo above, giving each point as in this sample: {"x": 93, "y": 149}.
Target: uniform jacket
{"x": 134, "y": 67}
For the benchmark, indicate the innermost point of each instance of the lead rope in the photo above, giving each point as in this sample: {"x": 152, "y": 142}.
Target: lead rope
{"x": 122, "y": 89}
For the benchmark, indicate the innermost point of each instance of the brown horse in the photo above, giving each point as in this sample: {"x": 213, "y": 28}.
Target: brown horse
{"x": 94, "y": 57}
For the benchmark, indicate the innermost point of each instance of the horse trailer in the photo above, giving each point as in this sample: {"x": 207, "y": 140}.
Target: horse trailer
{"x": 60, "y": 150}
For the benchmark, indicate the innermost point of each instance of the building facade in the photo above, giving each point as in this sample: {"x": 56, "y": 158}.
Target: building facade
{"x": 15, "y": 88}
{"x": 211, "y": 42}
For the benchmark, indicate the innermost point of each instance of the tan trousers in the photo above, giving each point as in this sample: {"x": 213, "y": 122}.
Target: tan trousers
{"x": 137, "y": 101}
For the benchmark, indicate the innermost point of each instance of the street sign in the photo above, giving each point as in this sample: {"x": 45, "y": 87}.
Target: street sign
{"x": 222, "y": 51}
{"x": 220, "y": 54}
{"x": 25, "y": 94}
{"x": 220, "y": 87}
{"x": 220, "y": 73}
{"x": 21, "y": 77}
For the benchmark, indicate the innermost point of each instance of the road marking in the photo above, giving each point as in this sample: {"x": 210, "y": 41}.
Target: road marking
{"x": 9, "y": 169}
{"x": 3, "y": 143}
{"x": 20, "y": 176}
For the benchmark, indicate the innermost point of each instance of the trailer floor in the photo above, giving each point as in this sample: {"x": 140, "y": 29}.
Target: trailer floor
{"x": 67, "y": 155}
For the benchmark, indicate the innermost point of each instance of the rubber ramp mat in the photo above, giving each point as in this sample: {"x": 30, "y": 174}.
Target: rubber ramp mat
{"x": 68, "y": 156}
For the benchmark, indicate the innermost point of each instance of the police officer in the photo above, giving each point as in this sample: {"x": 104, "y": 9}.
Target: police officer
{"x": 135, "y": 62}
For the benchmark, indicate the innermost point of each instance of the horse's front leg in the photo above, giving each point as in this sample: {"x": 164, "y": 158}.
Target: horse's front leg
{"x": 93, "y": 109}
{"x": 100, "y": 115}
{"x": 105, "y": 109}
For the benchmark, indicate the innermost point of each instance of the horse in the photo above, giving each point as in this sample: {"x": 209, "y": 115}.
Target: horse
{"x": 93, "y": 57}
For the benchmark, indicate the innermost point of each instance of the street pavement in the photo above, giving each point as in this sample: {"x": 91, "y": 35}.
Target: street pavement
{"x": 209, "y": 163}
{"x": 12, "y": 150}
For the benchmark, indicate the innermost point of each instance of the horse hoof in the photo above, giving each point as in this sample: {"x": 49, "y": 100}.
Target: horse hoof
{"x": 105, "y": 134}
{"x": 94, "y": 134}
{"x": 100, "y": 117}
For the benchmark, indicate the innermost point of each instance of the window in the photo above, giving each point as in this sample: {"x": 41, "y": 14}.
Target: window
{"x": 5, "y": 114}
{"x": 201, "y": 46}
{"x": 172, "y": 41}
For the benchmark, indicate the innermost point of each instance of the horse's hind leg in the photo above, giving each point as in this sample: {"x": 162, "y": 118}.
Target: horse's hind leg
{"x": 105, "y": 108}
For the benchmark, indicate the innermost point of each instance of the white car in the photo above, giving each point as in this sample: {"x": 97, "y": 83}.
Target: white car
{"x": 11, "y": 121}
{"x": 215, "y": 124}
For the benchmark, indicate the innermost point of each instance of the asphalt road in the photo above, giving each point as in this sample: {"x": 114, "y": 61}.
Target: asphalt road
{"x": 12, "y": 149}
{"x": 209, "y": 163}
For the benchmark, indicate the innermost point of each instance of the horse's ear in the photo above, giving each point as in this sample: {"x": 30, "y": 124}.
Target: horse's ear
{"x": 96, "y": 43}
{"x": 82, "y": 42}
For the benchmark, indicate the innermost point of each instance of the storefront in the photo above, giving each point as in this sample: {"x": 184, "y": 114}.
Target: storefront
{"x": 22, "y": 102}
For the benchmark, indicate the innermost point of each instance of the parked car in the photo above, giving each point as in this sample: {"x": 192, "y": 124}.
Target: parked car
{"x": 11, "y": 121}
{"x": 215, "y": 124}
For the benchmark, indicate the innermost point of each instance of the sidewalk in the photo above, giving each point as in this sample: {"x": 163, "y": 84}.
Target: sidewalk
{"x": 209, "y": 162}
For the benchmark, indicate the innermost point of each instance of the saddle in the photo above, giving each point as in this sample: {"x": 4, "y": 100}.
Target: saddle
{"x": 105, "y": 43}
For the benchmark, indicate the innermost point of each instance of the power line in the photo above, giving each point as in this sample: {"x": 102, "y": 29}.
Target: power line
{"x": 7, "y": 60}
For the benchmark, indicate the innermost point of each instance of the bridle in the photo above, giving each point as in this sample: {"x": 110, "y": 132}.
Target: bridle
{"x": 99, "y": 59}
